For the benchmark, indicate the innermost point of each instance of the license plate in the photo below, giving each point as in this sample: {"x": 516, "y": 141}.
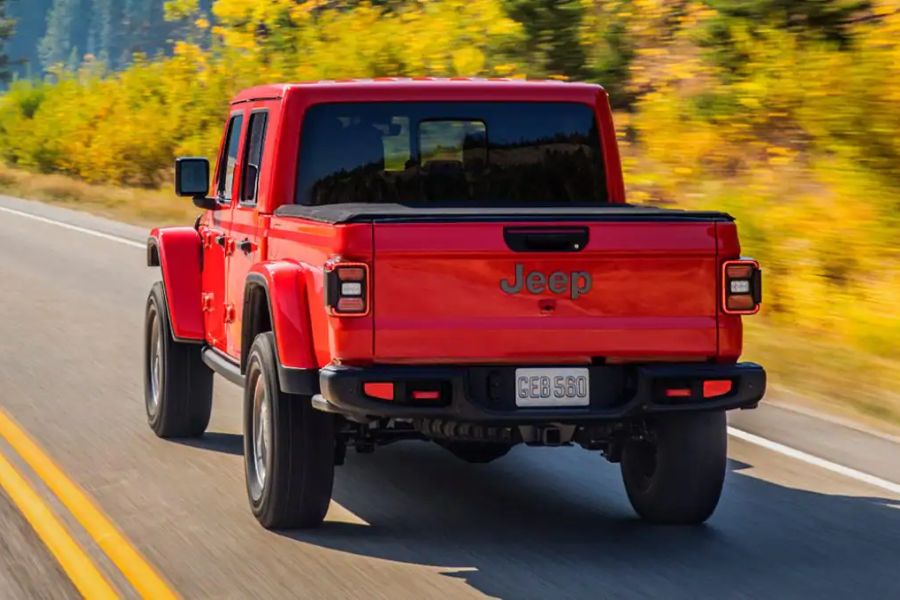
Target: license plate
{"x": 552, "y": 387}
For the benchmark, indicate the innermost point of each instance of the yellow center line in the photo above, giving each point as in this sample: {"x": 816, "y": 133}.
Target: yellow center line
{"x": 146, "y": 581}
{"x": 71, "y": 557}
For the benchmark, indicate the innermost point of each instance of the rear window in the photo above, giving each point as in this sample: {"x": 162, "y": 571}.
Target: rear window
{"x": 490, "y": 153}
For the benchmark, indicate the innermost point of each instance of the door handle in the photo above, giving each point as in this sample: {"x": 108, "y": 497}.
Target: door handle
{"x": 220, "y": 240}
{"x": 245, "y": 245}
{"x": 546, "y": 239}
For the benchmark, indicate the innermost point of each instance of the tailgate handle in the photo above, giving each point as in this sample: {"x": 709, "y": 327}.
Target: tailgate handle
{"x": 546, "y": 239}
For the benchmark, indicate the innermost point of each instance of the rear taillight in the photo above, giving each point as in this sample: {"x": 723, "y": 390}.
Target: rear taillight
{"x": 347, "y": 289}
{"x": 742, "y": 287}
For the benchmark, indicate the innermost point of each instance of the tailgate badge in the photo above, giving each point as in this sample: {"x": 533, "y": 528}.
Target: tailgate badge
{"x": 574, "y": 284}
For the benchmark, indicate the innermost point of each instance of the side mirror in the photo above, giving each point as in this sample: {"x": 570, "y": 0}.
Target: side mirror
{"x": 192, "y": 180}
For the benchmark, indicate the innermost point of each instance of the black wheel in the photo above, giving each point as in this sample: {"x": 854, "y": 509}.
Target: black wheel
{"x": 676, "y": 475}
{"x": 289, "y": 447}
{"x": 177, "y": 384}
{"x": 477, "y": 452}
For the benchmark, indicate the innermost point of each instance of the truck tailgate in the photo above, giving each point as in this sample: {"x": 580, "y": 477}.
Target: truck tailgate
{"x": 495, "y": 291}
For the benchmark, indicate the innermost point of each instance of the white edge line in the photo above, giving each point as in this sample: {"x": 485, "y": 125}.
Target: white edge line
{"x": 738, "y": 433}
{"x": 840, "y": 420}
{"x": 85, "y": 230}
{"x": 815, "y": 460}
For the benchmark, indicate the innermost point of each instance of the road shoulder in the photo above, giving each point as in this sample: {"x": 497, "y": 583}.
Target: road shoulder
{"x": 851, "y": 447}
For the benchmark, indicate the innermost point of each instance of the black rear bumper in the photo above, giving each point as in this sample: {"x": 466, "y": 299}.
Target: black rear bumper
{"x": 487, "y": 393}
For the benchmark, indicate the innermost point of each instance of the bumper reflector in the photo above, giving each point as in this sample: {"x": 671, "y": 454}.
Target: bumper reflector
{"x": 713, "y": 388}
{"x": 426, "y": 395}
{"x": 380, "y": 390}
{"x": 678, "y": 393}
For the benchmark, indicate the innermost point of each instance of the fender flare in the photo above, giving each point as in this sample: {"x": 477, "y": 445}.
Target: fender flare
{"x": 284, "y": 286}
{"x": 178, "y": 252}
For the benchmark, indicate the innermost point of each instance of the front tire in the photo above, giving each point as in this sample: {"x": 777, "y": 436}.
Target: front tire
{"x": 675, "y": 476}
{"x": 289, "y": 447}
{"x": 177, "y": 384}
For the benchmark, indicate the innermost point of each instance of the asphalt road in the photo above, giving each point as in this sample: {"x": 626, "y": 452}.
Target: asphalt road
{"x": 410, "y": 521}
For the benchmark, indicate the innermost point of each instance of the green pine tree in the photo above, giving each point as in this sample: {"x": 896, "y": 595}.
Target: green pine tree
{"x": 7, "y": 26}
{"x": 100, "y": 33}
{"x": 144, "y": 27}
{"x": 552, "y": 32}
{"x": 31, "y": 22}
{"x": 66, "y": 34}
{"x": 829, "y": 20}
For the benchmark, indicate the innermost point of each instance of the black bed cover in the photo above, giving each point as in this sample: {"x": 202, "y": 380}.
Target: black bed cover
{"x": 368, "y": 212}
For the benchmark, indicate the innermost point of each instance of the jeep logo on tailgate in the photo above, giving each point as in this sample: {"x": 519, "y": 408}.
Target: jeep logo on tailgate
{"x": 575, "y": 284}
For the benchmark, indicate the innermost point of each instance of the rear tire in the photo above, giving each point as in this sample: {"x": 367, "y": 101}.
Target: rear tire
{"x": 289, "y": 448}
{"x": 676, "y": 476}
{"x": 477, "y": 452}
{"x": 177, "y": 384}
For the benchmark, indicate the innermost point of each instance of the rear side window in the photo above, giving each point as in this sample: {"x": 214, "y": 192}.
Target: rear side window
{"x": 486, "y": 153}
{"x": 256, "y": 140}
{"x": 229, "y": 159}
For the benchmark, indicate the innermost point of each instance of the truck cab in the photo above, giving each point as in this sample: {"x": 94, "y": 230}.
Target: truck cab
{"x": 451, "y": 261}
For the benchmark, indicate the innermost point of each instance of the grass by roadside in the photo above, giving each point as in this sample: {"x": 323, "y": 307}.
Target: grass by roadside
{"x": 132, "y": 205}
{"x": 814, "y": 372}
{"x": 804, "y": 369}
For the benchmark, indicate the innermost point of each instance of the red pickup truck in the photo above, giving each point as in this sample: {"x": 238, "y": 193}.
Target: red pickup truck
{"x": 453, "y": 261}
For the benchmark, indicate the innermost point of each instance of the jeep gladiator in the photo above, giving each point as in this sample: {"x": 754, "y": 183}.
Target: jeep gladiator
{"x": 453, "y": 261}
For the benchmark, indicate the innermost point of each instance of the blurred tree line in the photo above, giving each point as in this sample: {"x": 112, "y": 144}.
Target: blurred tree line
{"x": 783, "y": 112}
{"x": 49, "y": 33}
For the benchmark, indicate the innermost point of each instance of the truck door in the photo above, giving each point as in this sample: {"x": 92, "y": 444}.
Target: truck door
{"x": 214, "y": 232}
{"x": 245, "y": 224}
